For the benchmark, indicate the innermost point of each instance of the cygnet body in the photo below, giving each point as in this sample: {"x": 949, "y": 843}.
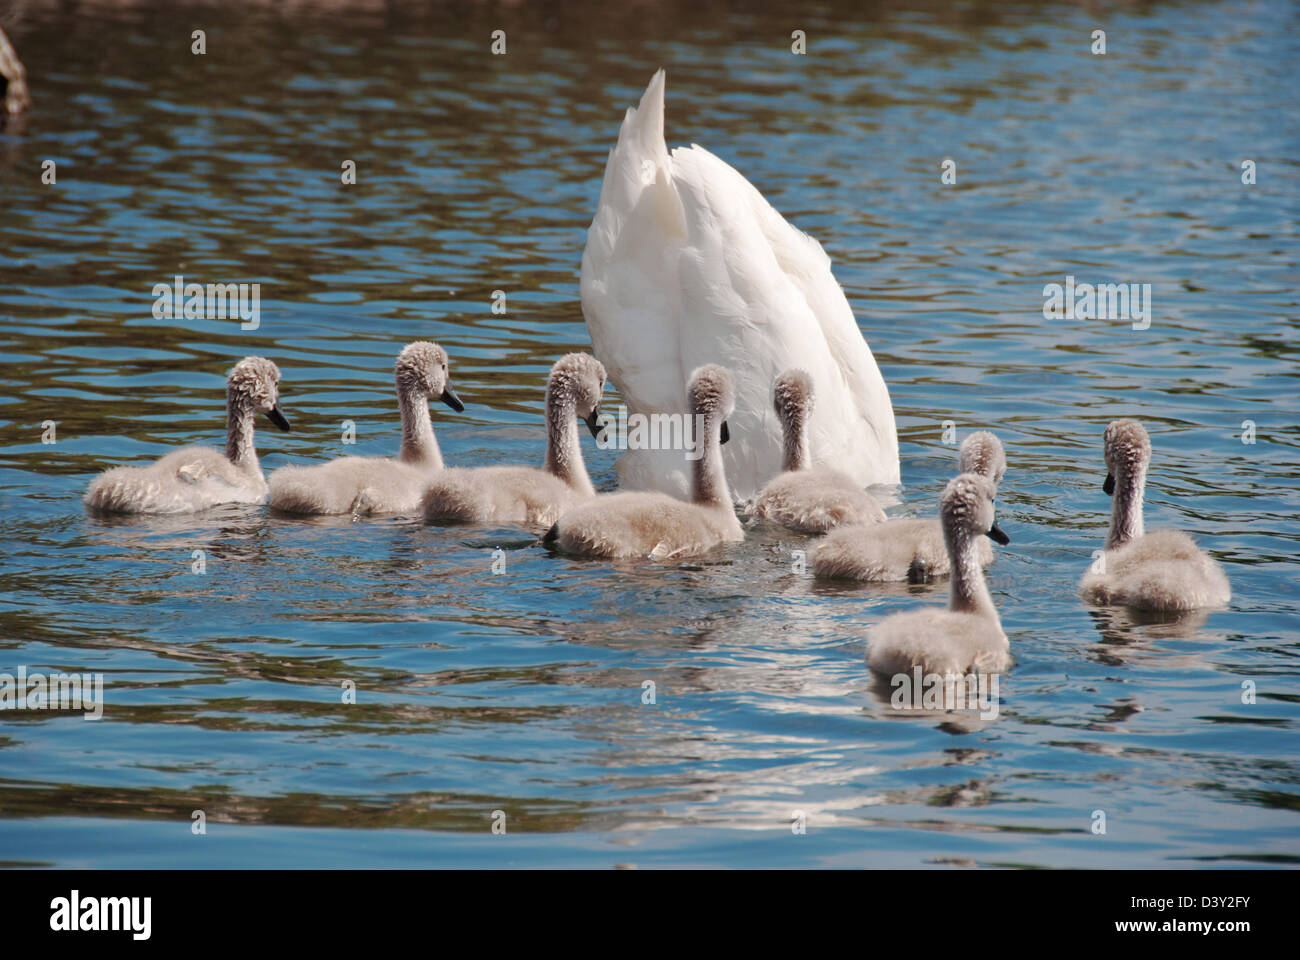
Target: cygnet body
{"x": 1161, "y": 571}
{"x": 644, "y": 524}
{"x": 805, "y": 498}
{"x": 195, "y": 478}
{"x": 378, "y": 485}
{"x": 967, "y": 637}
{"x": 528, "y": 495}
{"x": 907, "y": 548}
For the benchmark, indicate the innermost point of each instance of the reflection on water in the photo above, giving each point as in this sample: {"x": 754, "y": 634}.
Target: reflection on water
{"x": 527, "y": 691}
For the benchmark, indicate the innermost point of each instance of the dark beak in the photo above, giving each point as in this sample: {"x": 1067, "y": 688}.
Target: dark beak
{"x": 996, "y": 535}
{"x": 276, "y": 417}
{"x": 450, "y": 399}
{"x": 1108, "y": 487}
{"x": 725, "y": 434}
{"x": 593, "y": 423}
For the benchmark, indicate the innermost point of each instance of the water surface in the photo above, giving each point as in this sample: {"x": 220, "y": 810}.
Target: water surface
{"x": 522, "y": 692}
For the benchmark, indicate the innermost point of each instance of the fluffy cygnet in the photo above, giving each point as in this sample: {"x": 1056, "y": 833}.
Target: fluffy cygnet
{"x": 804, "y": 498}
{"x": 644, "y": 524}
{"x": 195, "y": 478}
{"x": 1162, "y": 571}
{"x": 967, "y": 637}
{"x": 527, "y": 495}
{"x": 378, "y": 485}
{"x": 907, "y": 548}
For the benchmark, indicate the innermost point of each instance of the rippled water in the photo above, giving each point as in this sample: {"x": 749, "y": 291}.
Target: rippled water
{"x": 522, "y": 692}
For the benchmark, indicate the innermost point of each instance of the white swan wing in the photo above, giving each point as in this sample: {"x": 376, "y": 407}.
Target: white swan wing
{"x": 630, "y": 296}
{"x": 686, "y": 263}
{"x": 852, "y": 427}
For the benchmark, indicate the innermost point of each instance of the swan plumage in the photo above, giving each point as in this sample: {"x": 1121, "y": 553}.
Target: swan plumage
{"x": 195, "y": 478}
{"x": 967, "y": 637}
{"x": 907, "y": 548}
{"x": 686, "y": 263}
{"x": 378, "y": 485}
{"x": 527, "y": 495}
{"x": 1161, "y": 571}
{"x": 653, "y": 524}
{"x": 806, "y": 498}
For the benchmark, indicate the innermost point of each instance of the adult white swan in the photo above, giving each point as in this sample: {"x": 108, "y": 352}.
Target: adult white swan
{"x": 687, "y": 264}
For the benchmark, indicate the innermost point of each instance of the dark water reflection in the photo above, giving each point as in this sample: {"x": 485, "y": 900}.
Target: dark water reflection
{"x": 523, "y": 692}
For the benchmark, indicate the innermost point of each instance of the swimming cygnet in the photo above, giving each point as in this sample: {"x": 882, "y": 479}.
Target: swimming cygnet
{"x": 195, "y": 478}
{"x": 374, "y": 485}
{"x": 1162, "y": 571}
{"x": 967, "y": 637}
{"x": 804, "y": 498}
{"x": 907, "y": 548}
{"x": 646, "y": 524}
{"x": 527, "y": 495}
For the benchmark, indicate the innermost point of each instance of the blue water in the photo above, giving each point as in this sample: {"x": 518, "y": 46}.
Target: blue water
{"x": 522, "y": 692}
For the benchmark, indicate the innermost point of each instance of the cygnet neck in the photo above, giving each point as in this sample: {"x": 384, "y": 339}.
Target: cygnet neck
{"x": 968, "y": 593}
{"x": 240, "y": 420}
{"x": 709, "y": 479}
{"x": 794, "y": 438}
{"x": 563, "y": 446}
{"x": 419, "y": 445}
{"x": 1126, "y": 508}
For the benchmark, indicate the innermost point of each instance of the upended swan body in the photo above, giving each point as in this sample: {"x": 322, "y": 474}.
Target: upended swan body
{"x": 805, "y": 498}
{"x": 1162, "y": 571}
{"x": 527, "y": 495}
{"x": 378, "y": 485}
{"x": 967, "y": 637}
{"x": 196, "y": 478}
{"x": 686, "y": 263}
{"x": 655, "y": 525}
{"x": 907, "y": 548}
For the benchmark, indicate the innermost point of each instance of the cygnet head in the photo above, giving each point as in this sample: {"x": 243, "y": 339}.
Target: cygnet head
{"x": 254, "y": 384}
{"x": 967, "y": 506}
{"x": 982, "y": 453}
{"x": 792, "y": 396}
{"x": 422, "y": 367}
{"x": 712, "y": 395}
{"x": 1128, "y": 451}
{"x": 578, "y": 379}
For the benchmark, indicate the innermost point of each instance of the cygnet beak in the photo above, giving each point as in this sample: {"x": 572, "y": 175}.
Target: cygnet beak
{"x": 450, "y": 399}
{"x": 278, "y": 418}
